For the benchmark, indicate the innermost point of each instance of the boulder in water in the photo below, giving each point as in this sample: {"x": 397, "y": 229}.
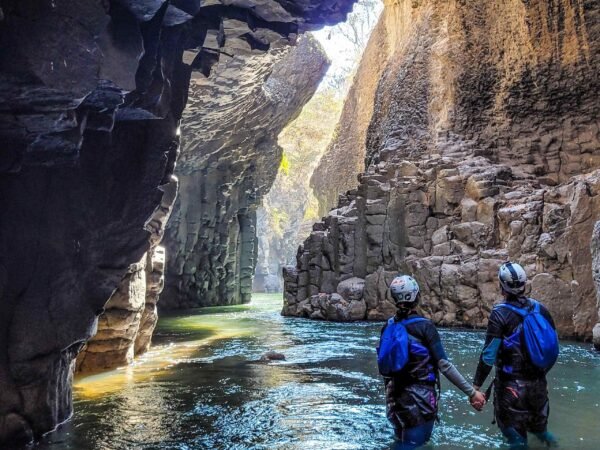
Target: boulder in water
{"x": 273, "y": 356}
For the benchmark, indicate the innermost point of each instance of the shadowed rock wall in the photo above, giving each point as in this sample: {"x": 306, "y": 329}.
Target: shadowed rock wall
{"x": 483, "y": 146}
{"x": 91, "y": 97}
{"x": 230, "y": 158}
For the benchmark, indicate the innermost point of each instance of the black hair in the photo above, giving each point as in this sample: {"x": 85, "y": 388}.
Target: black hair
{"x": 403, "y": 308}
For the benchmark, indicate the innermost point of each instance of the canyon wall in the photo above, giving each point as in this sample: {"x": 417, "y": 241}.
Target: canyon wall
{"x": 229, "y": 160}
{"x": 483, "y": 146}
{"x": 595, "y": 247}
{"x": 344, "y": 157}
{"x": 125, "y": 327}
{"x": 92, "y": 93}
{"x": 289, "y": 209}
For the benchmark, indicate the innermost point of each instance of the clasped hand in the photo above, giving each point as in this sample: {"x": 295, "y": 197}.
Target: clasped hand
{"x": 478, "y": 400}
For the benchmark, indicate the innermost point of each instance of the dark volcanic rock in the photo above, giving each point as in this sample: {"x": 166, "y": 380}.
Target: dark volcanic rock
{"x": 228, "y": 162}
{"x": 91, "y": 94}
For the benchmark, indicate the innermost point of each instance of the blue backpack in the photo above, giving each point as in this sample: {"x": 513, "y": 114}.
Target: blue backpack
{"x": 541, "y": 340}
{"x": 393, "y": 350}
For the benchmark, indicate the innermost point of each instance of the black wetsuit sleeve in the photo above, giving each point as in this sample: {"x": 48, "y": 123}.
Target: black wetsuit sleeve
{"x": 385, "y": 379}
{"x": 493, "y": 338}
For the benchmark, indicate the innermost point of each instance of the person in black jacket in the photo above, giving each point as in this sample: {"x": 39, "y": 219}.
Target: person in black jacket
{"x": 411, "y": 394}
{"x": 521, "y": 394}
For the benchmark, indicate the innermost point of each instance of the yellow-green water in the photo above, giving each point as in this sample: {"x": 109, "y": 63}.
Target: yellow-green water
{"x": 202, "y": 387}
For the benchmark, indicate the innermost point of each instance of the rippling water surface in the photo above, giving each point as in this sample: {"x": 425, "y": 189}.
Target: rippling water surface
{"x": 203, "y": 387}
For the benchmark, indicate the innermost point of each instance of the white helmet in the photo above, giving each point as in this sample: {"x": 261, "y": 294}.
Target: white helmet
{"x": 404, "y": 289}
{"x": 512, "y": 278}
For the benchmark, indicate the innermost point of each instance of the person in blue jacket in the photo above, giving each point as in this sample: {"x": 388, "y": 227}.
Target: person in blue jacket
{"x": 411, "y": 394}
{"x": 521, "y": 393}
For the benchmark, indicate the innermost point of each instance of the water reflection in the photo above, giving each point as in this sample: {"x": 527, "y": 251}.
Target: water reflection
{"x": 203, "y": 387}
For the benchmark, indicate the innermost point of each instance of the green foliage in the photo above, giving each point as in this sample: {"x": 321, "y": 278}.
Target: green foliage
{"x": 284, "y": 166}
{"x": 311, "y": 213}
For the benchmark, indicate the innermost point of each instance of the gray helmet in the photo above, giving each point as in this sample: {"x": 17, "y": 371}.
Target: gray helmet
{"x": 404, "y": 289}
{"x": 512, "y": 278}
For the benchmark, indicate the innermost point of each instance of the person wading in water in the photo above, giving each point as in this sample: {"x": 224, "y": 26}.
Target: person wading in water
{"x": 521, "y": 342}
{"x": 410, "y": 356}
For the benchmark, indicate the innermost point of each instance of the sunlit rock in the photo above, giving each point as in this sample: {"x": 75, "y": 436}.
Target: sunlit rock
{"x": 477, "y": 151}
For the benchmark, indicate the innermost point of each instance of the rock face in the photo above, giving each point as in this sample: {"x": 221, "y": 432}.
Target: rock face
{"x": 483, "y": 146}
{"x": 288, "y": 211}
{"x": 130, "y": 315}
{"x": 596, "y": 275}
{"x": 89, "y": 136}
{"x": 345, "y": 154}
{"x": 229, "y": 161}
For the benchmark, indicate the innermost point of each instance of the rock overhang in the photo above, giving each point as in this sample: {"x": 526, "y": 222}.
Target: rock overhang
{"x": 92, "y": 93}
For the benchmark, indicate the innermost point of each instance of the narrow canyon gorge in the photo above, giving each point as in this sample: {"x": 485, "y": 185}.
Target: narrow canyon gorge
{"x": 140, "y": 139}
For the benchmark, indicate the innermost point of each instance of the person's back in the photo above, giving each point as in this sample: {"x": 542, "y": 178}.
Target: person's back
{"x": 417, "y": 381}
{"x": 521, "y": 398}
{"x": 411, "y": 393}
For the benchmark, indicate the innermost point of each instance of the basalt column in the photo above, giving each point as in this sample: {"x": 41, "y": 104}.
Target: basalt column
{"x": 91, "y": 95}
{"x": 229, "y": 161}
{"x": 483, "y": 146}
{"x": 596, "y": 275}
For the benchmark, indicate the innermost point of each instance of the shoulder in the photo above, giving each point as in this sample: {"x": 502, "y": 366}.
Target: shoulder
{"x": 424, "y": 329}
{"x": 499, "y": 311}
{"x": 543, "y": 309}
{"x": 421, "y": 321}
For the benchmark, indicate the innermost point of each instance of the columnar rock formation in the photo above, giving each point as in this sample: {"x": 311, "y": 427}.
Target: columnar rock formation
{"x": 91, "y": 97}
{"x": 483, "y": 146}
{"x": 229, "y": 161}
{"x": 596, "y": 275}
{"x": 125, "y": 328}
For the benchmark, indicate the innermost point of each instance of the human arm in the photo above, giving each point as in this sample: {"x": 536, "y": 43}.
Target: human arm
{"x": 491, "y": 347}
{"x": 438, "y": 354}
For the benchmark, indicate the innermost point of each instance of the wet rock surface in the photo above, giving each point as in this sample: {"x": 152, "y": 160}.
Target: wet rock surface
{"x": 89, "y": 136}
{"x": 474, "y": 156}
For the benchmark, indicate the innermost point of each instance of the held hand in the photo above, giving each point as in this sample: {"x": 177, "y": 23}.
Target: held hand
{"x": 477, "y": 401}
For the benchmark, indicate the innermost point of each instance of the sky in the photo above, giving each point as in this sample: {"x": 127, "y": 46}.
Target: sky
{"x": 339, "y": 49}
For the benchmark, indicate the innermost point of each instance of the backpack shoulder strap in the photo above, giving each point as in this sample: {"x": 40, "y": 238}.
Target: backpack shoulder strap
{"x": 535, "y": 306}
{"x": 520, "y": 311}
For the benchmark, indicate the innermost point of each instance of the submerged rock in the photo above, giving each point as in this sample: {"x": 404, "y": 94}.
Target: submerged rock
{"x": 273, "y": 356}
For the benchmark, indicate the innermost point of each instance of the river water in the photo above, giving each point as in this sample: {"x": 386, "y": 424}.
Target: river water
{"x": 202, "y": 387}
